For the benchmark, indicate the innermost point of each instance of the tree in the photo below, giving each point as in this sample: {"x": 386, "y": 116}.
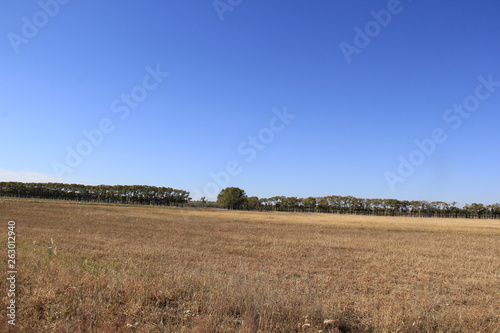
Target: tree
{"x": 291, "y": 203}
{"x": 476, "y": 209}
{"x": 494, "y": 210}
{"x": 232, "y": 198}
{"x": 323, "y": 204}
{"x": 252, "y": 203}
{"x": 309, "y": 203}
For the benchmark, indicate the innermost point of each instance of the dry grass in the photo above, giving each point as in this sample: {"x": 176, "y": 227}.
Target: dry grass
{"x": 156, "y": 269}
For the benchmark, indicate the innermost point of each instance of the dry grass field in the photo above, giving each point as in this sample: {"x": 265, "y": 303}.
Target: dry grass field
{"x": 120, "y": 268}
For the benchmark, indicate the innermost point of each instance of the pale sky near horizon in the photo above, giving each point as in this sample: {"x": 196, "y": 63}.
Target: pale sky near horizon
{"x": 375, "y": 99}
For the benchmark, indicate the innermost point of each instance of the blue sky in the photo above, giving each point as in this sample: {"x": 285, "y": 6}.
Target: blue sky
{"x": 295, "y": 98}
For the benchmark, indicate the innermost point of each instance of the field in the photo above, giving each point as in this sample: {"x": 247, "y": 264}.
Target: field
{"x": 119, "y": 268}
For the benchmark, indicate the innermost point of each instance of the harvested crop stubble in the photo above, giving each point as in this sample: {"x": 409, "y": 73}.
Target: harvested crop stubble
{"x": 122, "y": 268}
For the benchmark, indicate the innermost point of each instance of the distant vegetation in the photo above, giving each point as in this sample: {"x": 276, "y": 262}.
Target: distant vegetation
{"x": 236, "y": 198}
{"x": 351, "y": 205}
{"x": 126, "y": 194}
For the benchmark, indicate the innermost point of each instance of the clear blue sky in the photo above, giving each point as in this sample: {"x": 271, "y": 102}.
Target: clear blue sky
{"x": 359, "y": 100}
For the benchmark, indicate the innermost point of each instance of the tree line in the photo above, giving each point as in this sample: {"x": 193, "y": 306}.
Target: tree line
{"x": 126, "y": 194}
{"x": 236, "y": 198}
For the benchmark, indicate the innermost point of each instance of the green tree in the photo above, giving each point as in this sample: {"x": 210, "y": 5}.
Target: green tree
{"x": 309, "y": 203}
{"x": 232, "y": 198}
{"x": 252, "y": 203}
{"x": 476, "y": 209}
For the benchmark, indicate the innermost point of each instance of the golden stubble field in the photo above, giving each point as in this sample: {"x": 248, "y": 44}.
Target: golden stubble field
{"x": 120, "y": 268}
